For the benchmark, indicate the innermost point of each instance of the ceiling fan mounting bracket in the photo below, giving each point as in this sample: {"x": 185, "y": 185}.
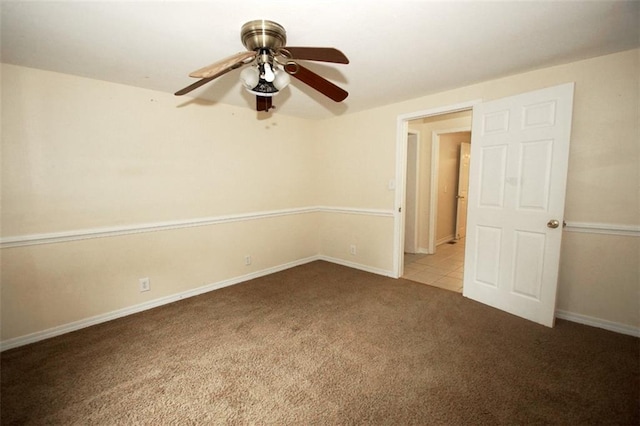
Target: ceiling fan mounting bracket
{"x": 263, "y": 34}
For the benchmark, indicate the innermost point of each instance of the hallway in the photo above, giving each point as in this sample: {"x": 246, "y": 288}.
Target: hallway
{"x": 443, "y": 269}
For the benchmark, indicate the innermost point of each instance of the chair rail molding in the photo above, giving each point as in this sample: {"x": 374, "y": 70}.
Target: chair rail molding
{"x": 603, "y": 228}
{"x": 84, "y": 234}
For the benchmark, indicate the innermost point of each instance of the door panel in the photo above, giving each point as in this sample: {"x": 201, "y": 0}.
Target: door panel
{"x": 487, "y": 248}
{"x": 493, "y": 164}
{"x": 528, "y": 262}
{"x": 535, "y": 175}
{"x": 519, "y": 158}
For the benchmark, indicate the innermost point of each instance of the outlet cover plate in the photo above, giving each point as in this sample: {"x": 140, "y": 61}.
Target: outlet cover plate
{"x": 145, "y": 284}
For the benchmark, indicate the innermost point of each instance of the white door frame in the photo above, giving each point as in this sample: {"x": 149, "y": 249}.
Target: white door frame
{"x": 402, "y": 128}
{"x": 435, "y": 168}
{"x": 416, "y": 184}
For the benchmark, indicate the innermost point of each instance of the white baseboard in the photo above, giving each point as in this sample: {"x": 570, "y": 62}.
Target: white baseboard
{"x": 98, "y": 319}
{"x": 357, "y": 266}
{"x": 445, "y": 239}
{"x": 599, "y": 323}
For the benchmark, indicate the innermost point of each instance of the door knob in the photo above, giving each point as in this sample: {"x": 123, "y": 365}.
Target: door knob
{"x": 553, "y": 223}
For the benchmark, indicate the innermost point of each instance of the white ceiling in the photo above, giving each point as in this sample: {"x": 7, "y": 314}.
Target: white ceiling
{"x": 398, "y": 49}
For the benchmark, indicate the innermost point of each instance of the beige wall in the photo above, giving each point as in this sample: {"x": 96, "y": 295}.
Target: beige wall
{"x": 603, "y": 168}
{"x": 46, "y": 286}
{"x": 80, "y": 154}
{"x": 599, "y": 276}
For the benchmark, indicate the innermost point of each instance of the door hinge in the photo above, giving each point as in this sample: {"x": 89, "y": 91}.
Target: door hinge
{"x": 399, "y": 209}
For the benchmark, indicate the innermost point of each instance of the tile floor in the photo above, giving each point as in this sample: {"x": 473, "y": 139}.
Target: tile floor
{"x": 443, "y": 269}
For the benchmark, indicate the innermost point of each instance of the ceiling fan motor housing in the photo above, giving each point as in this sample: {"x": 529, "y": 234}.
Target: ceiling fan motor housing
{"x": 263, "y": 34}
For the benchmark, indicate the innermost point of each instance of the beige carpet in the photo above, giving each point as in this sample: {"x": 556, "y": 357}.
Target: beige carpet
{"x": 324, "y": 344}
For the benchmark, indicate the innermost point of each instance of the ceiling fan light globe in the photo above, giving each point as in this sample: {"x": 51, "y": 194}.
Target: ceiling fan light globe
{"x": 250, "y": 77}
{"x": 282, "y": 80}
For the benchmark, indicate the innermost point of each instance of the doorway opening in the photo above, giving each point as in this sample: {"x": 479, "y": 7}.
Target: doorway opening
{"x": 430, "y": 144}
{"x": 436, "y": 190}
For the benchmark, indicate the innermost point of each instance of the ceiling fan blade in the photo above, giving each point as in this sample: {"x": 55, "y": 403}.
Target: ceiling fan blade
{"x": 193, "y": 86}
{"x": 216, "y": 70}
{"x": 323, "y": 54}
{"x": 224, "y": 66}
{"x": 317, "y": 82}
{"x": 263, "y": 103}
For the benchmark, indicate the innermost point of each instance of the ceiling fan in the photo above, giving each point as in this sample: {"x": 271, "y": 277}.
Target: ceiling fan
{"x": 271, "y": 63}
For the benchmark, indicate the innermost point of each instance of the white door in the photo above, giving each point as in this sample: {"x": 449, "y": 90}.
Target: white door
{"x": 463, "y": 189}
{"x": 519, "y": 156}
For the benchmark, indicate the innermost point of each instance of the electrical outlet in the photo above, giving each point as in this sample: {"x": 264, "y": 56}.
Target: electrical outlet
{"x": 145, "y": 284}
{"x": 247, "y": 260}
{"x": 353, "y": 250}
